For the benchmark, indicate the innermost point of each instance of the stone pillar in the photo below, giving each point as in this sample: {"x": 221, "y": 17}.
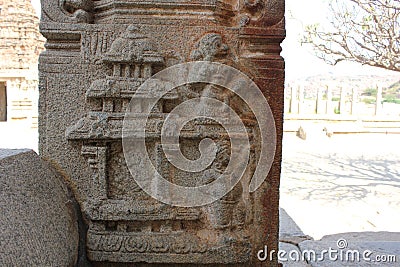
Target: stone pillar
{"x": 354, "y": 101}
{"x": 378, "y": 105}
{"x": 3, "y": 101}
{"x": 342, "y": 103}
{"x": 287, "y": 98}
{"x": 320, "y": 109}
{"x": 84, "y": 87}
{"x": 329, "y": 104}
{"x": 301, "y": 98}
{"x": 294, "y": 106}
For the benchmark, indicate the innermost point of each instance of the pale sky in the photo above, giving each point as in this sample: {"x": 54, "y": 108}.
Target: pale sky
{"x": 300, "y": 61}
{"x": 36, "y": 5}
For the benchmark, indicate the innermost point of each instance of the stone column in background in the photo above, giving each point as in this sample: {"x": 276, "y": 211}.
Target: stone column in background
{"x": 3, "y": 101}
{"x": 301, "y": 98}
{"x": 378, "y": 105}
{"x": 320, "y": 108}
{"x": 294, "y": 103}
{"x": 329, "y": 104}
{"x": 287, "y": 98}
{"x": 354, "y": 101}
{"x": 342, "y": 103}
{"x": 98, "y": 53}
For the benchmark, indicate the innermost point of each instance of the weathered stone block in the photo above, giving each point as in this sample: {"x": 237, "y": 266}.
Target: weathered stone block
{"x": 38, "y": 223}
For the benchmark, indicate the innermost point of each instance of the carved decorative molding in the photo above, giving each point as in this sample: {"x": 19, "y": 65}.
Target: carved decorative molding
{"x": 166, "y": 247}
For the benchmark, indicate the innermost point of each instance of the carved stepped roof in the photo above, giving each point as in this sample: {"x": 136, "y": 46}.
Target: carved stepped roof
{"x": 122, "y": 87}
{"x": 114, "y": 88}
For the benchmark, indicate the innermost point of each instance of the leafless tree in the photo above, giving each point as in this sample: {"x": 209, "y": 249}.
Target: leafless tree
{"x": 363, "y": 31}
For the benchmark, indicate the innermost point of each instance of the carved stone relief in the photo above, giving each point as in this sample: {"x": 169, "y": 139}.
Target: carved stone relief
{"x": 133, "y": 58}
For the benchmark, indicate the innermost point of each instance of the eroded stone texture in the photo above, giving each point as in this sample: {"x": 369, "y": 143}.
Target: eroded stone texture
{"x": 98, "y": 54}
{"x": 38, "y": 223}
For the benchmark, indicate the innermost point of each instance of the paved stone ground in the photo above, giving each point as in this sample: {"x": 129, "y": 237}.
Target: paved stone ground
{"x": 346, "y": 183}
{"x": 18, "y": 135}
{"x": 338, "y": 250}
{"x": 344, "y": 187}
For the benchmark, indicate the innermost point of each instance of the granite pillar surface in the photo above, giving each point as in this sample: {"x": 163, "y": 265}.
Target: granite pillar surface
{"x": 98, "y": 53}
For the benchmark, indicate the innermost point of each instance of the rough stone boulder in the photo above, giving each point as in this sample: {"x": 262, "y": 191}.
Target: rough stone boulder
{"x": 38, "y": 224}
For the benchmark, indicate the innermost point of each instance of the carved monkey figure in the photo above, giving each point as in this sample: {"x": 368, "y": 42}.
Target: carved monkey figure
{"x": 81, "y": 10}
{"x": 209, "y": 48}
